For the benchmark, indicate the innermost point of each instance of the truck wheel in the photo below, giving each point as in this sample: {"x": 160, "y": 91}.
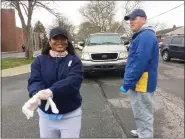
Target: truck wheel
{"x": 166, "y": 56}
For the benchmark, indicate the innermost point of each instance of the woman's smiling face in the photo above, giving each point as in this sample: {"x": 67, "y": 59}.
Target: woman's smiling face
{"x": 58, "y": 43}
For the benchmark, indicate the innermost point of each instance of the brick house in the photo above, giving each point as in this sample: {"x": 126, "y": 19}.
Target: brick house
{"x": 12, "y": 37}
{"x": 19, "y": 38}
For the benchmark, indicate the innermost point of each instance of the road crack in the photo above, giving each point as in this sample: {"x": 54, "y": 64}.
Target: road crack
{"x": 99, "y": 83}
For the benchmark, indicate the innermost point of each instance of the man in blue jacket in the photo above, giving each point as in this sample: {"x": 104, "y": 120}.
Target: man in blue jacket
{"x": 140, "y": 78}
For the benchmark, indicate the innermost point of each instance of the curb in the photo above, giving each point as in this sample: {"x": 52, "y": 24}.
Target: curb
{"x": 15, "y": 71}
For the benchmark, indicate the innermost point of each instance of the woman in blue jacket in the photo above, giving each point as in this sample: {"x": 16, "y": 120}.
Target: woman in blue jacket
{"x": 58, "y": 72}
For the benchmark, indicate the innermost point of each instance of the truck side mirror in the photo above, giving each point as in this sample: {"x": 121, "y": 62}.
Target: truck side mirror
{"x": 82, "y": 43}
{"x": 126, "y": 42}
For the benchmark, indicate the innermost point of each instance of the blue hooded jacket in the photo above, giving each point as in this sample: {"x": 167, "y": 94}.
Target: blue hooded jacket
{"x": 142, "y": 63}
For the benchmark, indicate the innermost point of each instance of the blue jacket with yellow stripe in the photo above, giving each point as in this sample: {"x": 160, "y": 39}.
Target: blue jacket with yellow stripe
{"x": 142, "y": 63}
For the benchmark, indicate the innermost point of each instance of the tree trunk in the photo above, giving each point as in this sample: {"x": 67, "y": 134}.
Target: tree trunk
{"x": 28, "y": 44}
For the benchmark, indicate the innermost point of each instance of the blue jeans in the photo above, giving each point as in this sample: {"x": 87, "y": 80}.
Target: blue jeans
{"x": 143, "y": 109}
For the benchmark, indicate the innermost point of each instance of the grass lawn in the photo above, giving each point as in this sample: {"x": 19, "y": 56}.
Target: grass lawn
{"x": 14, "y": 62}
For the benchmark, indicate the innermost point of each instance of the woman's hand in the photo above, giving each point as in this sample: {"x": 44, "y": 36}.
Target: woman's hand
{"x": 45, "y": 94}
{"x": 29, "y": 107}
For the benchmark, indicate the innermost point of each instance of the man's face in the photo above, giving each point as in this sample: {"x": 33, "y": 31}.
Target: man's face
{"x": 136, "y": 23}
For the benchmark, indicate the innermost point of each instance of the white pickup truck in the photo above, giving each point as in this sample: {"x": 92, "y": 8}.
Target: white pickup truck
{"x": 104, "y": 51}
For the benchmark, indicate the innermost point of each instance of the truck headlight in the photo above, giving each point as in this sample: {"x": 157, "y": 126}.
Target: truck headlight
{"x": 123, "y": 55}
{"x": 85, "y": 56}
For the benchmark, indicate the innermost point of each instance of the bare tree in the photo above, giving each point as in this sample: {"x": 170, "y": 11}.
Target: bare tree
{"x": 85, "y": 29}
{"x": 99, "y": 13}
{"x": 128, "y": 7}
{"x": 27, "y": 8}
{"x": 158, "y": 25}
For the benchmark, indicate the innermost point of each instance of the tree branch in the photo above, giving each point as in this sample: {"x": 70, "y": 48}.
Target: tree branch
{"x": 39, "y": 4}
{"x": 136, "y": 5}
{"x": 30, "y": 11}
{"x": 25, "y": 7}
{"x": 128, "y": 9}
{"x": 17, "y": 7}
{"x": 6, "y": 4}
{"x": 126, "y": 3}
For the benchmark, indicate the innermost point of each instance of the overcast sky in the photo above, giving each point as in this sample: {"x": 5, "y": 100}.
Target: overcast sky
{"x": 152, "y": 8}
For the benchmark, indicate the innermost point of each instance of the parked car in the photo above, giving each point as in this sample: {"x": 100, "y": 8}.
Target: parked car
{"x": 173, "y": 47}
{"x": 79, "y": 46}
{"x": 104, "y": 51}
{"x": 75, "y": 46}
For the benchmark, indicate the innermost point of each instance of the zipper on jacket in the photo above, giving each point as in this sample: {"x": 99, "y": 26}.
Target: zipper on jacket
{"x": 56, "y": 61}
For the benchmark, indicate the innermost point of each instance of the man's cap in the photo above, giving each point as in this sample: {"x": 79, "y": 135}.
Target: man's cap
{"x": 58, "y": 31}
{"x": 135, "y": 13}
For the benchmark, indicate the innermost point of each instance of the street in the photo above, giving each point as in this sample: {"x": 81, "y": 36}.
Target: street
{"x": 106, "y": 111}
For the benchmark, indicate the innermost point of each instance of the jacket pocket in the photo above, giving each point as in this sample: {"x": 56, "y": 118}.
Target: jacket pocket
{"x": 141, "y": 85}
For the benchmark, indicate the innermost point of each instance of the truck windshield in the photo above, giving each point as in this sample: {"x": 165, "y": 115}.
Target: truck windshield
{"x": 104, "y": 39}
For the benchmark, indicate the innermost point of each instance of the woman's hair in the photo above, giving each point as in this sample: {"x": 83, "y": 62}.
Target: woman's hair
{"x": 47, "y": 48}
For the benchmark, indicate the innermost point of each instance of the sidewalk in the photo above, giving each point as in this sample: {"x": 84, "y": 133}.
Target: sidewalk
{"x": 10, "y": 52}
{"x": 15, "y": 71}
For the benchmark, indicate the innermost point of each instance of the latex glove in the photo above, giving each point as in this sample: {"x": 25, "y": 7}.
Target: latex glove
{"x": 45, "y": 94}
{"x": 34, "y": 102}
{"x": 123, "y": 89}
{"x": 52, "y": 104}
{"x": 29, "y": 107}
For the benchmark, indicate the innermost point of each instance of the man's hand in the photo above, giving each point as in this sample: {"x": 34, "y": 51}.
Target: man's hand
{"x": 45, "y": 94}
{"x": 123, "y": 89}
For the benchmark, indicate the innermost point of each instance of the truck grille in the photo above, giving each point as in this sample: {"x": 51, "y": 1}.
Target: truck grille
{"x": 104, "y": 56}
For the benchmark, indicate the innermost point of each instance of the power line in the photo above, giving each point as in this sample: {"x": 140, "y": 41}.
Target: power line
{"x": 166, "y": 11}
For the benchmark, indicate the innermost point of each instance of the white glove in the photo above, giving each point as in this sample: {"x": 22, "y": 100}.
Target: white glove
{"x": 45, "y": 94}
{"x": 53, "y": 106}
{"x": 29, "y": 107}
{"x": 34, "y": 102}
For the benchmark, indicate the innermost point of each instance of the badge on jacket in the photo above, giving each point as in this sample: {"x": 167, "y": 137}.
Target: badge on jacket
{"x": 69, "y": 64}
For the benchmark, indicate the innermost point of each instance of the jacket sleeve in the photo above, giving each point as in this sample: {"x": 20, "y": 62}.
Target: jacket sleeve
{"x": 140, "y": 60}
{"x": 35, "y": 81}
{"x": 72, "y": 83}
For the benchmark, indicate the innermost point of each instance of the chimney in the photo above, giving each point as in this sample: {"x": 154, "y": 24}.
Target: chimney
{"x": 174, "y": 26}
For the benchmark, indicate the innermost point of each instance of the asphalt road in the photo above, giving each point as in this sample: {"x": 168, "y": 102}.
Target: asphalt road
{"x": 106, "y": 111}
{"x": 98, "y": 119}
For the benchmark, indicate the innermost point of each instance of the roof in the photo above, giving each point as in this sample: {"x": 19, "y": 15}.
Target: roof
{"x": 174, "y": 36}
{"x": 104, "y": 33}
{"x": 179, "y": 31}
{"x": 165, "y": 31}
